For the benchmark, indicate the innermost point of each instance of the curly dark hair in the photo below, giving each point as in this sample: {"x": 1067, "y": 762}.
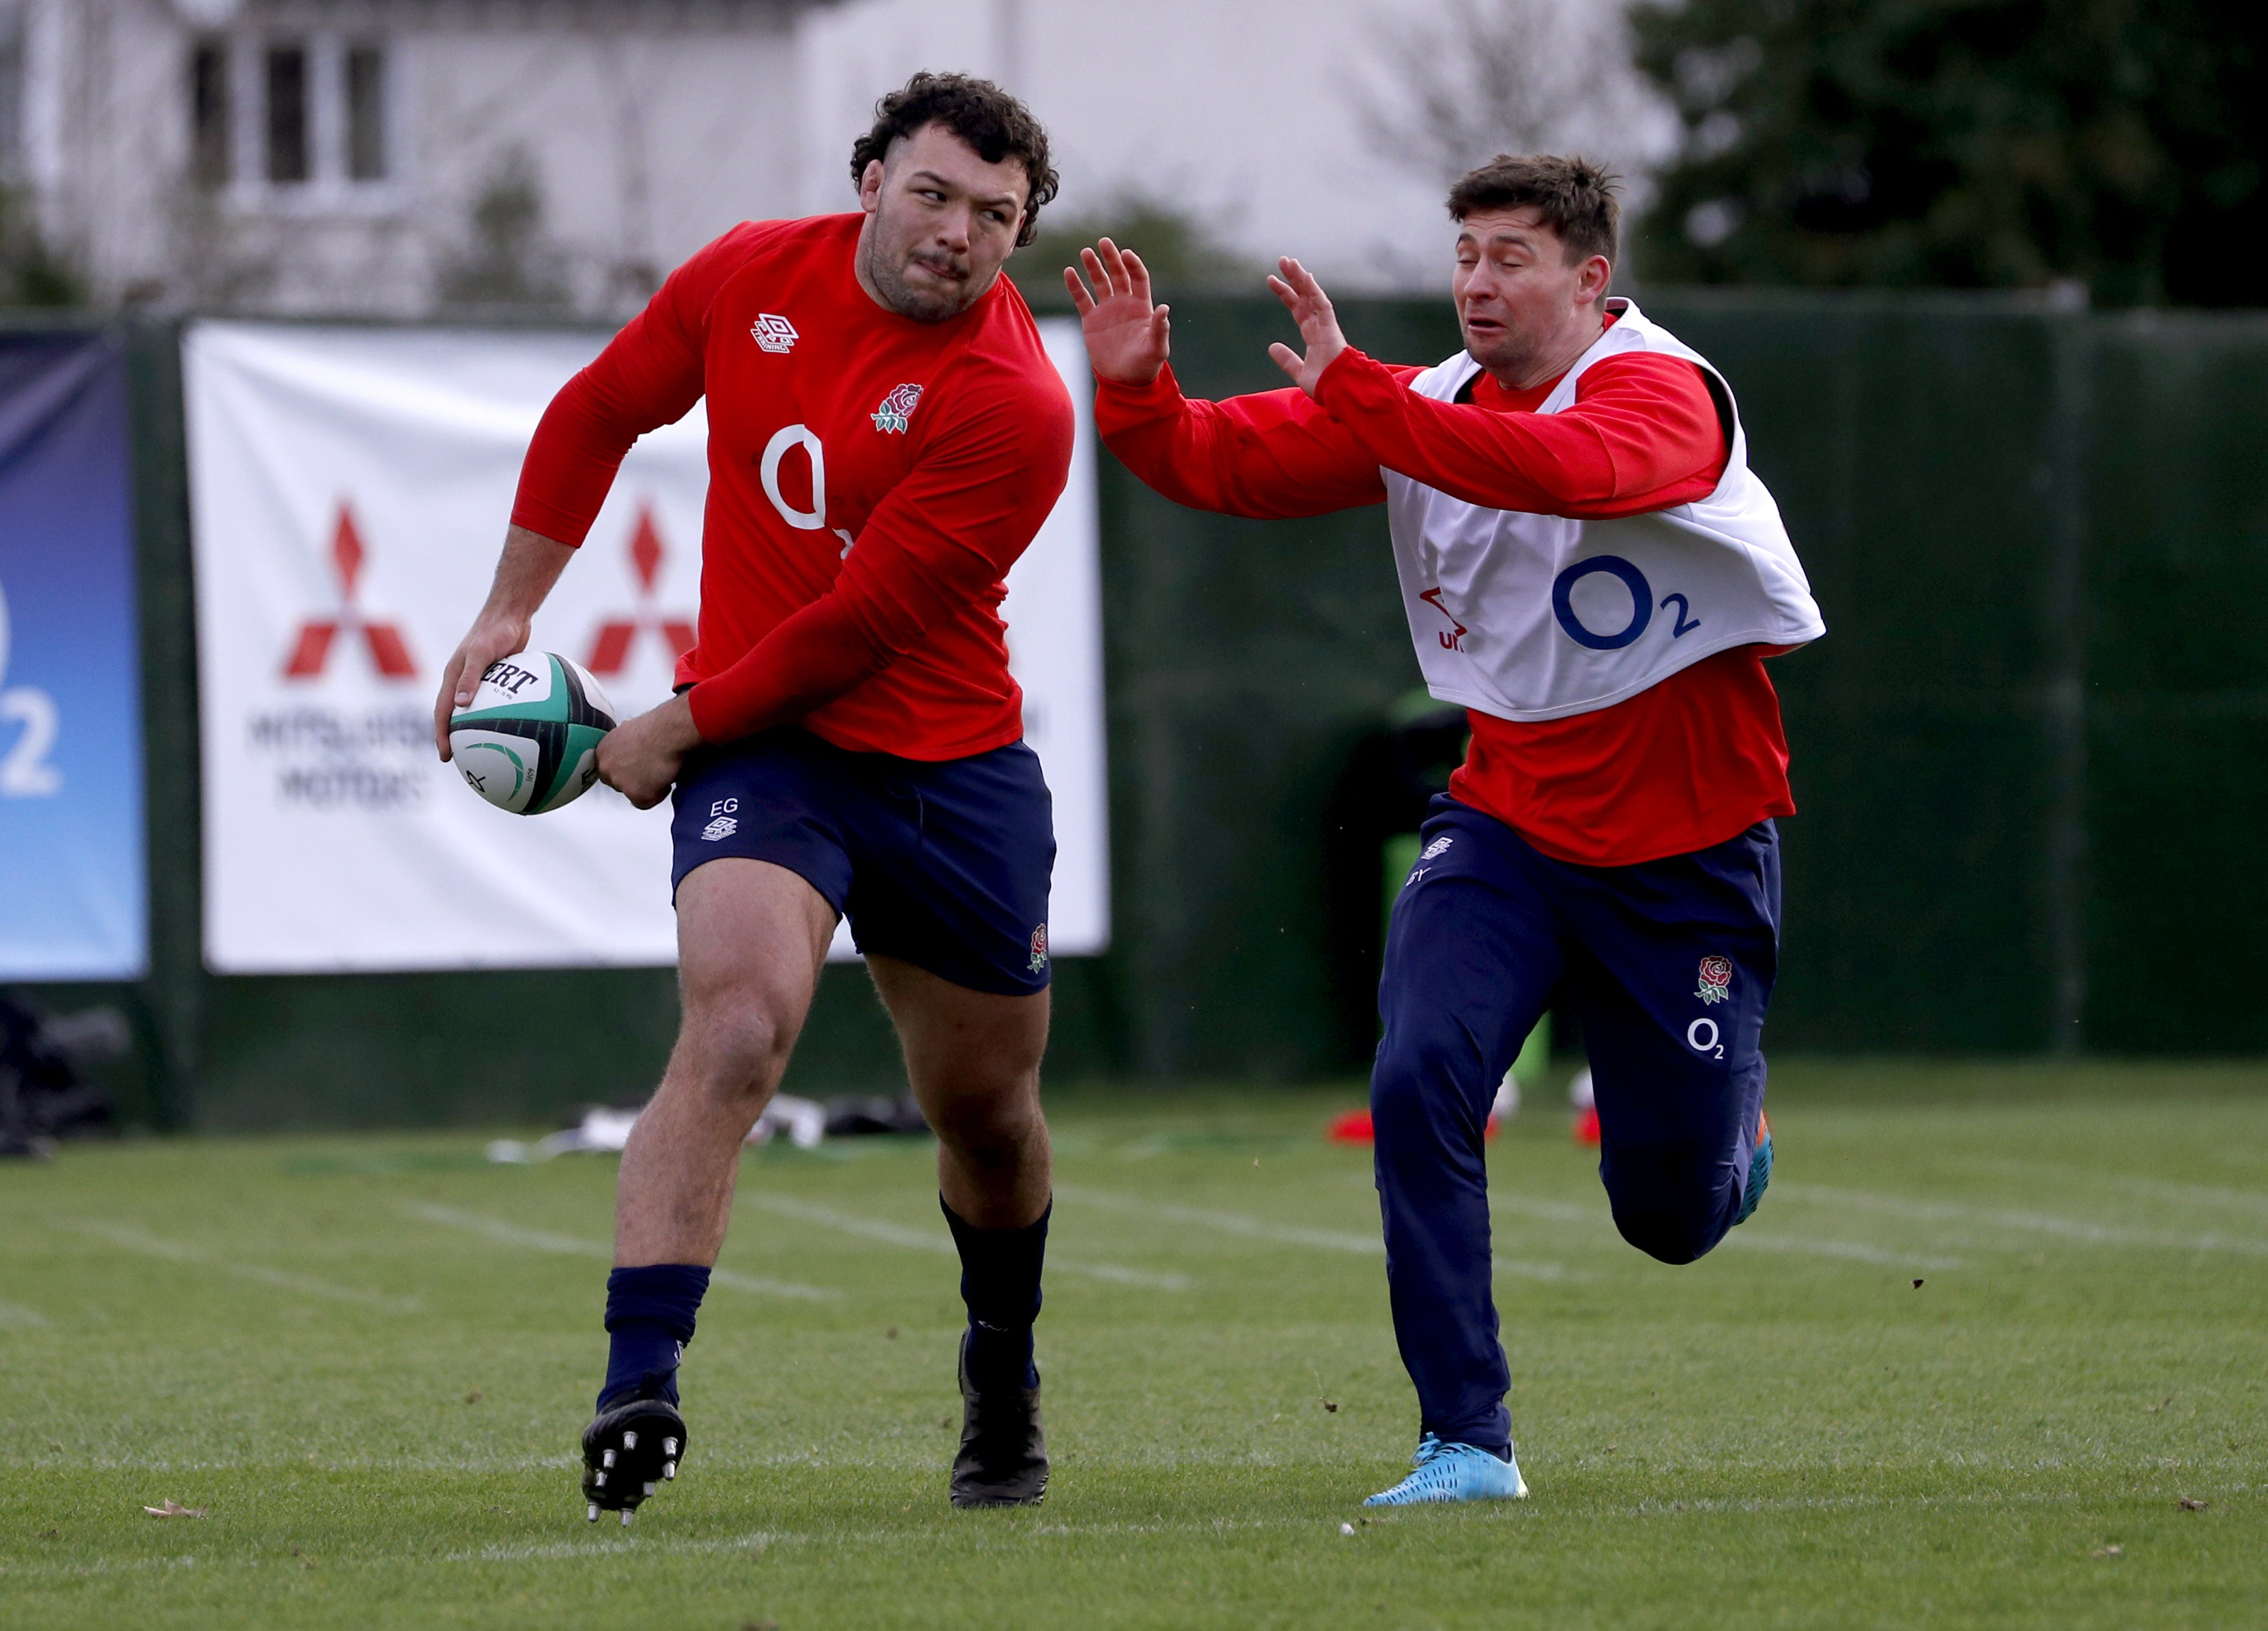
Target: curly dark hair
{"x": 981, "y": 114}
{"x": 1575, "y": 198}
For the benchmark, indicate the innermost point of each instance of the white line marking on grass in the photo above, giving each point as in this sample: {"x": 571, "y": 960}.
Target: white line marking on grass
{"x": 567, "y": 1550}
{"x": 1654, "y": 1507}
{"x": 1225, "y": 1223}
{"x": 928, "y": 1240}
{"x": 105, "y": 1566}
{"x": 569, "y": 1246}
{"x": 762, "y": 1539}
{"x": 866, "y": 1228}
{"x": 22, "y": 1319}
{"x": 2198, "y": 1194}
{"x": 1149, "y": 1279}
{"x": 865, "y": 1542}
{"x": 1550, "y": 1211}
{"x": 2032, "y": 1222}
{"x": 133, "y": 1239}
{"x": 2158, "y": 1189}
{"x": 1850, "y": 1250}
{"x": 1282, "y": 1234}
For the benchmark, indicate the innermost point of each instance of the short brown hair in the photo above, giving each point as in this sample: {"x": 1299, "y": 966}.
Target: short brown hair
{"x": 977, "y": 111}
{"x": 1575, "y": 198}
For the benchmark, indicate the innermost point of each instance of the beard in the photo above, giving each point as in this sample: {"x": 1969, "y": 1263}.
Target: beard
{"x": 924, "y": 286}
{"x": 1508, "y": 351}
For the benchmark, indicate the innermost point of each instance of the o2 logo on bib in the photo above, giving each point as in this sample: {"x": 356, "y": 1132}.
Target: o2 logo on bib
{"x": 1641, "y": 612}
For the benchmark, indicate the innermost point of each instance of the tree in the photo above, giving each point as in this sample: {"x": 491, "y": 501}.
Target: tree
{"x": 31, "y": 272}
{"x": 1969, "y": 143}
{"x": 508, "y": 264}
{"x": 1181, "y": 249}
{"x": 1479, "y": 77}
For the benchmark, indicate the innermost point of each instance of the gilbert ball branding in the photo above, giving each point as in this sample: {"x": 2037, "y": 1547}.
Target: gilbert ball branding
{"x": 529, "y": 742}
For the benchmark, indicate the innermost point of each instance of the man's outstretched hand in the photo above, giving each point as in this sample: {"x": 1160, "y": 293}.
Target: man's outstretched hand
{"x": 1319, "y": 326}
{"x": 1127, "y": 337}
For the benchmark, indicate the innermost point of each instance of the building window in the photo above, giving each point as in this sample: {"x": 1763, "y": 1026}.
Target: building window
{"x": 307, "y": 121}
{"x": 365, "y": 71}
{"x": 211, "y": 132}
{"x": 286, "y": 85}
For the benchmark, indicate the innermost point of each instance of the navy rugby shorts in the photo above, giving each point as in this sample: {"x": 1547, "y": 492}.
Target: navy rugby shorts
{"x": 945, "y": 865}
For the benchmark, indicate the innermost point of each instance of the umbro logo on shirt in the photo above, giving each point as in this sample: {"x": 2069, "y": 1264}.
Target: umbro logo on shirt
{"x": 773, "y": 333}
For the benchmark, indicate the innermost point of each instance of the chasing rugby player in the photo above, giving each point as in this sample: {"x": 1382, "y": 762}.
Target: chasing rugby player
{"x": 1590, "y": 568}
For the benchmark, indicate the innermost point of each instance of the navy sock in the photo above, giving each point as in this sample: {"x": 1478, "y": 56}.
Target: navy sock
{"x": 1000, "y": 1283}
{"x": 650, "y": 1314}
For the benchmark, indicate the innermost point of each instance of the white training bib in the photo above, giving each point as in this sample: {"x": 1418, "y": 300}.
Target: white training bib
{"x": 1539, "y": 616}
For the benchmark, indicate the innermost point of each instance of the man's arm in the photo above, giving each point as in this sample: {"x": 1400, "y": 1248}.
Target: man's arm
{"x": 942, "y": 538}
{"x": 649, "y": 376}
{"x": 1270, "y": 457}
{"x": 1642, "y": 434}
{"x": 530, "y": 564}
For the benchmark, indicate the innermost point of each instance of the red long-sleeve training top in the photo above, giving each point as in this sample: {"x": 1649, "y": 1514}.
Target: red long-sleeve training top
{"x": 937, "y": 449}
{"x": 1684, "y": 764}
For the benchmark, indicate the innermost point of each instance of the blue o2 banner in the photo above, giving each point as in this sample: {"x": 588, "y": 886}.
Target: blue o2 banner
{"x": 72, "y": 899}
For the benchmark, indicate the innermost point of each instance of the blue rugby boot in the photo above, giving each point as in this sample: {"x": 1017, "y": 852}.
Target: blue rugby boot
{"x": 1759, "y": 1172}
{"x": 1453, "y": 1472}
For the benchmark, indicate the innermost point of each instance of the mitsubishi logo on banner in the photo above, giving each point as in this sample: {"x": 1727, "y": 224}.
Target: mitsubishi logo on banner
{"x": 311, "y": 652}
{"x": 349, "y": 488}
{"x": 610, "y": 649}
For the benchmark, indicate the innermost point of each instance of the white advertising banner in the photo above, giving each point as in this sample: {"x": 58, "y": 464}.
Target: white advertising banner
{"x": 348, "y": 492}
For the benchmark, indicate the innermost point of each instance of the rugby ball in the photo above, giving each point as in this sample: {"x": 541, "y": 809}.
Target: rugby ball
{"x": 529, "y": 742}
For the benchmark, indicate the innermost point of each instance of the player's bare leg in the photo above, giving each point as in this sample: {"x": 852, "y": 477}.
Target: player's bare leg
{"x": 751, "y": 939}
{"x": 973, "y": 1058}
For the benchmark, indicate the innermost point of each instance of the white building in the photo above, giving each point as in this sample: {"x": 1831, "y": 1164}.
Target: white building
{"x": 329, "y": 155}
{"x": 332, "y": 155}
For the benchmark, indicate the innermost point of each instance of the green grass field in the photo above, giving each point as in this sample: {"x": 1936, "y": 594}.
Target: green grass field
{"x": 368, "y": 1359}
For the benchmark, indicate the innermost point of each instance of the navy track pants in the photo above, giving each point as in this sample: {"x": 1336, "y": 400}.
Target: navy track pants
{"x": 1671, "y": 964}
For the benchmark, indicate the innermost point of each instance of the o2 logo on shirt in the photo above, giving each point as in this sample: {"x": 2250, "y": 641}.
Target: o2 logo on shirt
{"x": 1642, "y": 605}
{"x": 785, "y": 440}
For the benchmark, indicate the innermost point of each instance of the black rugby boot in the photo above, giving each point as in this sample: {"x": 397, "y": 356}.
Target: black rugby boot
{"x": 629, "y": 1450}
{"x": 1003, "y": 1450}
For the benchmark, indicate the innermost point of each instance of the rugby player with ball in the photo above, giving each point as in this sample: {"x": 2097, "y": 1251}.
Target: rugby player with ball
{"x": 885, "y": 436}
{"x": 1591, "y": 570}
